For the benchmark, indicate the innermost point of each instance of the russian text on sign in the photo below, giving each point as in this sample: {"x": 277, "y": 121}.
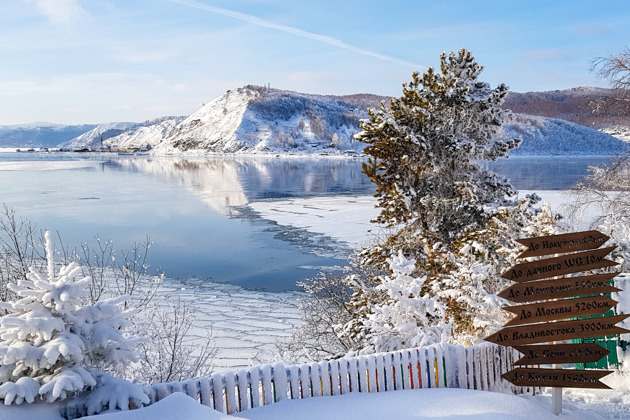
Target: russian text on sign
{"x": 559, "y": 288}
{"x": 558, "y": 244}
{"x": 543, "y": 354}
{"x": 559, "y": 309}
{"x": 557, "y": 378}
{"x": 558, "y": 331}
{"x": 558, "y": 266}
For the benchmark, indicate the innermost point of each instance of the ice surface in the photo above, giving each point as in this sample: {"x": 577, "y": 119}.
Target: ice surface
{"x": 343, "y": 218}
{"x": 45, "y": 165}
{"x": 245, "y": 324}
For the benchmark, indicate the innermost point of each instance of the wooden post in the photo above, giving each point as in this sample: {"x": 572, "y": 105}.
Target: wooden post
{"x": 556, "y": 399}
{"x": 556, "y": 392}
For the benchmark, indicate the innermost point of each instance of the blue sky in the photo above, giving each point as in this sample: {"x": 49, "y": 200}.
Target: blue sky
{"x": 92, "y": 61}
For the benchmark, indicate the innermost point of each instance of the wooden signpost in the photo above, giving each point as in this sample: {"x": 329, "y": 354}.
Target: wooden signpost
{"x": 560, "y": 353}
{"x": 560, "y": 244}
{"x": 559, "y": 288}
{"x": 558, "y": 331}
{"x": 566, "y": 264}
{"x": 560, "y": 378}
{"x": 559, "y": 309}
{"x": 554, "y": 309}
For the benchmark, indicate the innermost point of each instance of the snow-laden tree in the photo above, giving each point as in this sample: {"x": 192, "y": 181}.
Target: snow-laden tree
{"x": 449, "y": 214}
{"x": 50, "y": 340}
{"x": 425, "y": 152}
{"x": 406, "y": 317}
{"x": 604, "y": 194}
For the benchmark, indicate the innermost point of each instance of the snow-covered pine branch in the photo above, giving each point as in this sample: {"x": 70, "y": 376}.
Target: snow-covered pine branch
{"x": 50, "y": 341}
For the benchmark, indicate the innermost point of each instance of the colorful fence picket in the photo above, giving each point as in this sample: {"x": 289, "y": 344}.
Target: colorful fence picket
{"x": 474, "y": 367}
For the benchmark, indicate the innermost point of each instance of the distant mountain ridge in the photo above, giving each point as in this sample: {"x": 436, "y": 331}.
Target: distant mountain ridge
{"x": 258, "y": 120}
{"x": 542, "y": 136}
{"x": 588, "y": 106}
{"x": 254, "y": 119}
{"x": 40, "y": 134}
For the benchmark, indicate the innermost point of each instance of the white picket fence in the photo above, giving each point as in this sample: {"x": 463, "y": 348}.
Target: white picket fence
{"x": 474, "y": 367}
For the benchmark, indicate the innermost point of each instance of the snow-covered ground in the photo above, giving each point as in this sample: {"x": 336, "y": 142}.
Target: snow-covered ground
{"x": 245, "y": 325}
{"x": 441, "y": 403}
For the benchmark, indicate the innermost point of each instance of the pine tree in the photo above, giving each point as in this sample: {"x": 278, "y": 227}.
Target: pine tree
{"x": 50, "y": 340}
{"x": 425, "y": 150}
{"x": 451, "y": 216}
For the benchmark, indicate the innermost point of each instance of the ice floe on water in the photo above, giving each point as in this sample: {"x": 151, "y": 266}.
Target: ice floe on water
{"x": 245, "y": 324}
{"x": 47, "y": 165}
{"x": 342, "y": 218}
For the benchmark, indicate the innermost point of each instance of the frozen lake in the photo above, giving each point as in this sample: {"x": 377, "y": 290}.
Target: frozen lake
{"x": 195, "y": 211}
{"x": 198, "y": 212}
{"x": 258, "y": 224}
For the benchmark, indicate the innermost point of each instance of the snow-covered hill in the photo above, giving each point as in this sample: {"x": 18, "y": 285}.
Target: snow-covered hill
{"x": 588, "y": 106}
{"x": 39, "y": 134}
{"x": 553, "y": 137}
{"x": 145, "y": 135}
{"x": 96, "y": 136}
{"x": 257, "y": 120}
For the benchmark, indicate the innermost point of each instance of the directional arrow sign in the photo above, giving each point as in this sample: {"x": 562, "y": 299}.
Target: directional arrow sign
{"x": 543, "y": 354}
{"x": 551, "y": 267}
{"x": 559, "y": 309}
{"x": 563, "y": 378}
{"x": 559, "y": 288}
{"x": 560, "y": 244}
{"x": 558, "y": 331}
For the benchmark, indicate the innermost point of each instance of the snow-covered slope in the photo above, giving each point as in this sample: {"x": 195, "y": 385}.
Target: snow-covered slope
{"x": 39, "y": 134}
{"x": 93, "y": 138}
{"x": 553, "y": 137}
{"x": 145, "y": 135}
{"x": 256, "y": 119}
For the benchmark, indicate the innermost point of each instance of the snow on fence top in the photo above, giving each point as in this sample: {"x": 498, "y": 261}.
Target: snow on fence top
{"x": 474, "y": 367}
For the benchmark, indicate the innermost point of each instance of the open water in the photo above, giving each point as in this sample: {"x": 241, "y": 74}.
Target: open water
{"x": 195, "y": 211}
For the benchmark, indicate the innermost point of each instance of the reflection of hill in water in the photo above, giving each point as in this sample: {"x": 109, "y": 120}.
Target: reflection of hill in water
{"x": 278, "y": 178}
{"x": 226, "y": 182}
{"x": 215, "y": 181}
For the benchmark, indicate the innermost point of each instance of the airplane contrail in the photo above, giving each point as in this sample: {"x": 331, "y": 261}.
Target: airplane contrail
{"x": 294, "y": 31}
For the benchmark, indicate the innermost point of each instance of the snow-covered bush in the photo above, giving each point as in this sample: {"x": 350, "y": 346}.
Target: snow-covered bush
{"x": 50, "y": 340}
{"x": 406, "y": 317}
{"x": 325, "y": 309}
{"x": 168, "y": 349}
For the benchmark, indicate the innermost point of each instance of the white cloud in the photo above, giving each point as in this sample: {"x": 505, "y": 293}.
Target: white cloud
{"x": 61, "y": 11}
